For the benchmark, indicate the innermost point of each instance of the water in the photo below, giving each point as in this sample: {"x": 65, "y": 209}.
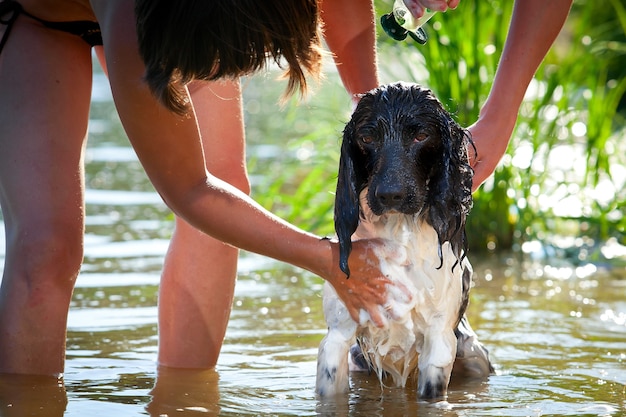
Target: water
{"x": 556, "y": 333}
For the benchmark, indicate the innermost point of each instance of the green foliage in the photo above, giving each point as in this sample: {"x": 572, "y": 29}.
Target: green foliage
{"x": 576, "y": 134}
{"x": 298, "y": 177}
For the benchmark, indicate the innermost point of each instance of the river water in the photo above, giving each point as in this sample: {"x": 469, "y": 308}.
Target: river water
{"x": 556, "y": 331}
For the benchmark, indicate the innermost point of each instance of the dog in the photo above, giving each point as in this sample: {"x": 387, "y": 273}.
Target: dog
{"x": 404, "y": 177}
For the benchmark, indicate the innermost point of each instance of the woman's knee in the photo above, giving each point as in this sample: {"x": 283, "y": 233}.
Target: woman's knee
{"x": 50, "y": 254}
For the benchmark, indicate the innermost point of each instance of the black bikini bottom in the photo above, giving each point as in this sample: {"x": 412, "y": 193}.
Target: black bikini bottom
{"x": 87, "y": 30}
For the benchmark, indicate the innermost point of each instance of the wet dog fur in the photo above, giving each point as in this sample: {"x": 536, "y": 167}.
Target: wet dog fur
{"x": 404, "y": 177}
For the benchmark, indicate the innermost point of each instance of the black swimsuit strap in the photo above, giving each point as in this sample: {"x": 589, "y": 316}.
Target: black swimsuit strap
{"x": 87, "y": 30}
{"x": 13, "y": 9}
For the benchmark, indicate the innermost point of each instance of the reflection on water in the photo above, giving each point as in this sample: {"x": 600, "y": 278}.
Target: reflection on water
{"x": 31, "y": 396}
{"x": 191, "y": 391}
{"x": 556, "y": 332}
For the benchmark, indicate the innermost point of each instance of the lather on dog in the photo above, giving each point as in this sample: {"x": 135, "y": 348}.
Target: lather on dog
{"x": 404, "y": 177}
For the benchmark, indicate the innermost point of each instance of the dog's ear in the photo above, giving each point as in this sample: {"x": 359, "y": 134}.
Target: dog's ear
{"x": 451, "y": 187}
{"x": 350, "y": 182}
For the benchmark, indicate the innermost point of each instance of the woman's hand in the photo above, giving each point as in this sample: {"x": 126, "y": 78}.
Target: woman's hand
{"x": 366, "y": 290}
{"x": 418, "y": 7}
{"x": 491, "y": 135}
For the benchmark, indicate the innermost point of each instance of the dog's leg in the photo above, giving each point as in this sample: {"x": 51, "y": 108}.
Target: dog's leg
{"x": 332, "y": 358}
{"x": 435, "y": 363}
{"x": 332, "y": 365}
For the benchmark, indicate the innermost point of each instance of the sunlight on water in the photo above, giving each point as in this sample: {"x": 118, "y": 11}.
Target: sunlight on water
{"x": 549, "y": 361}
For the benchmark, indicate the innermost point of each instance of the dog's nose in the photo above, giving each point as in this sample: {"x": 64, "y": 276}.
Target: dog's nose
{"x": 390, "y": 196}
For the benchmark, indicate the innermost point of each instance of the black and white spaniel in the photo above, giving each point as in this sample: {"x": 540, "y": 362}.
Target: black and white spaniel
{"x": 404, "y": 177}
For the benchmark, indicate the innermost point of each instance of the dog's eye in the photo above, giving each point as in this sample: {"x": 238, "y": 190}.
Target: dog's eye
{"x": 367, "y": 140}
{"x": 419, "y": 137}
{"x": 416, "y": 133}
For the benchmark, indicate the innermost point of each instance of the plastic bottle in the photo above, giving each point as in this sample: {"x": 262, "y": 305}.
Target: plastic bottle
{"x": 400, "y": 23}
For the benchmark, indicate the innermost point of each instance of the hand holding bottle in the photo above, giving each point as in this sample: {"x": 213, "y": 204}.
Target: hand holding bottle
{"x": 408, "y": 16}
{"x": 418, "y": 7}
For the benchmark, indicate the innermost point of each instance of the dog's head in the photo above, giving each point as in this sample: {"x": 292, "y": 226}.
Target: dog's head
{"x": 412, "y": 156}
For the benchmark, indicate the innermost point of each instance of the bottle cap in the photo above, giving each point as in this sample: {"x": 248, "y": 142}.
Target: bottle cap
{"x": 397, "y": 32}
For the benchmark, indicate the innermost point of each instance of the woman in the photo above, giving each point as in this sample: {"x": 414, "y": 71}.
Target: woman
{"x": 45, "y": 84}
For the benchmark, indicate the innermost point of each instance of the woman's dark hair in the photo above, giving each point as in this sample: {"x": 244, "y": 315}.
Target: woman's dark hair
{"x": 183, "y": 40}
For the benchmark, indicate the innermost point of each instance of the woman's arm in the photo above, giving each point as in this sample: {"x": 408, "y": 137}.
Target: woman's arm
{"x": 534, "y": 27}
{"x": 417, "y": 7}
{"x": 170, "y": 150}
{"x": 350, "y": 33}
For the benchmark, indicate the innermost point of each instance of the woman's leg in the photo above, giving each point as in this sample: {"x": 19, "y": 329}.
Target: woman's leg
{"x": 45, "y": 84}
{"x": 199, "y": 274}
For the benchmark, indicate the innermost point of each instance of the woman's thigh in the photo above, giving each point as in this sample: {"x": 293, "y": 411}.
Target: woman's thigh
{"x": 45, "y": 90}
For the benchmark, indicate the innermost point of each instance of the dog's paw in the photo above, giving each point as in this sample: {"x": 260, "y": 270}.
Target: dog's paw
{"x": 356, "y": 360}
{"x": 332, "y": 364}
{"x": 432, "y": 382}
{"x": 331, "y": 381}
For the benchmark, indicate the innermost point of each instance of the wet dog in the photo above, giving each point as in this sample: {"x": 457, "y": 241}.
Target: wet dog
{"x": 404, "y": 177}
